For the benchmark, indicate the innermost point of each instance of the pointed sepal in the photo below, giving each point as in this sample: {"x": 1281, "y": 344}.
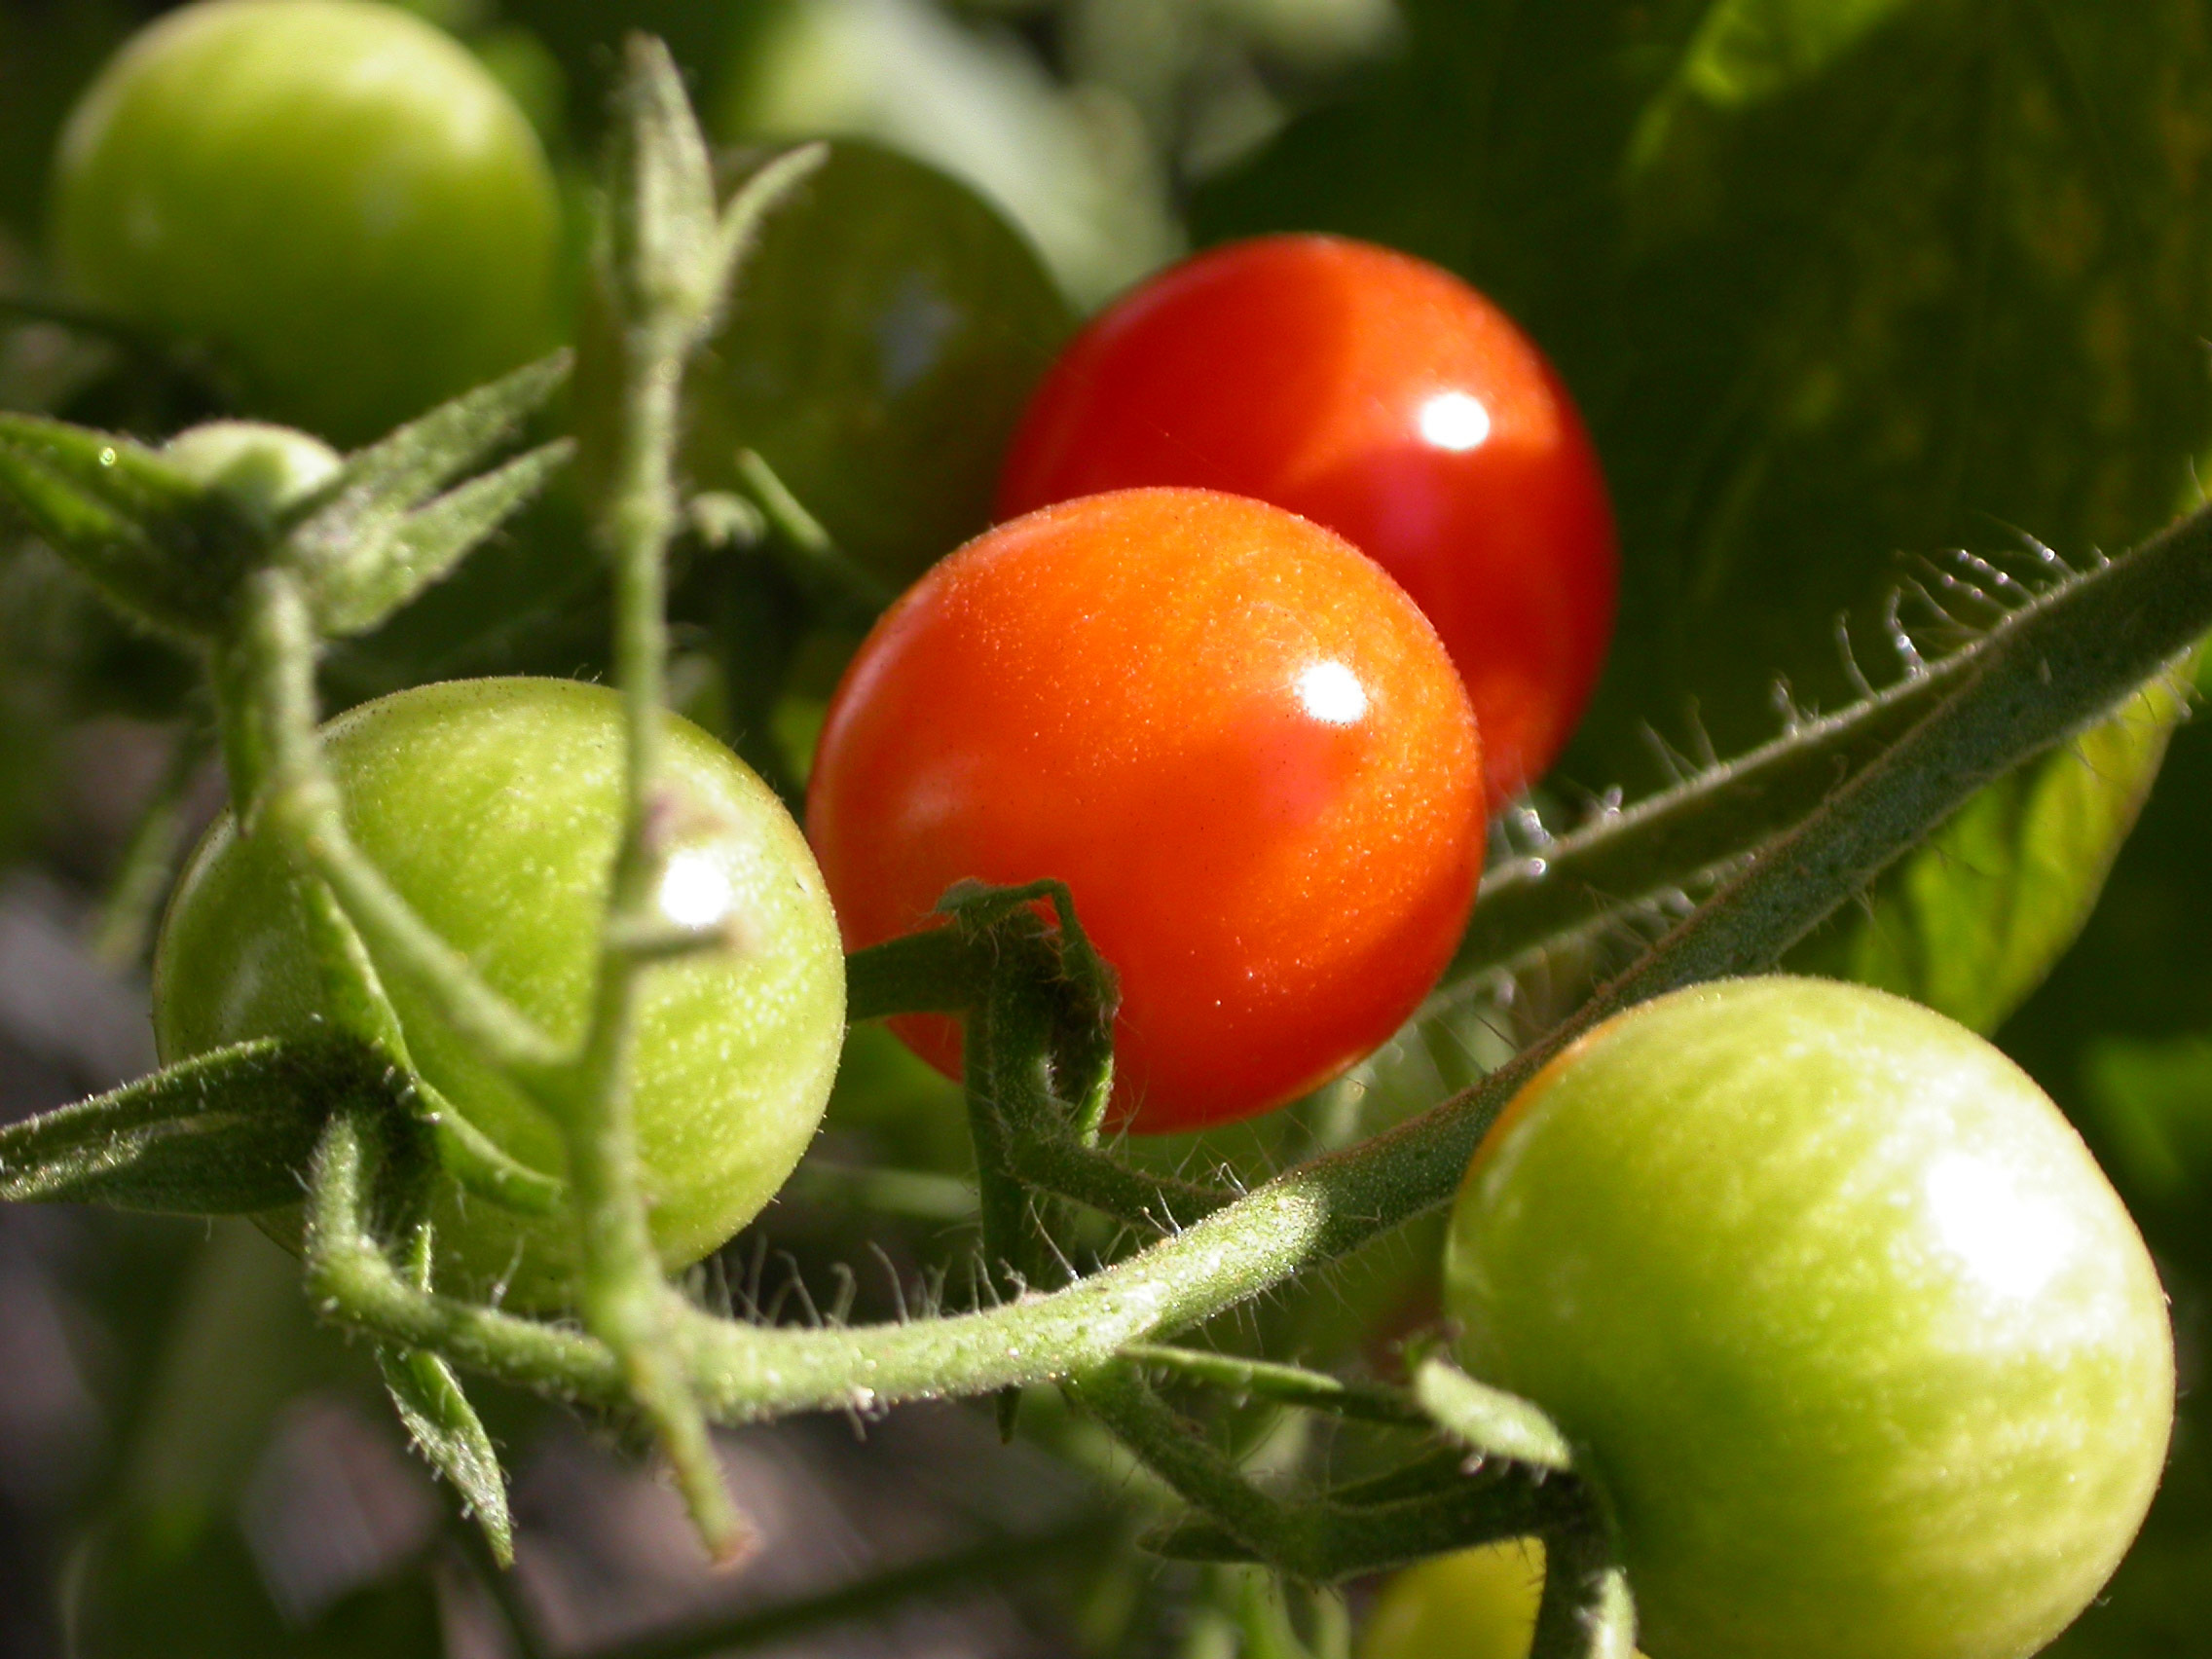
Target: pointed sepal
{"x": 128, "y": 520}
{"x": 229, "y": 1132}
{"x": 379, "y": 532}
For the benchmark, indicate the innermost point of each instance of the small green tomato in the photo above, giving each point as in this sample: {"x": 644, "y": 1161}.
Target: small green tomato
{"x": 1862, "y": 1352}
{"x": 331, "y": 197}
{"x": 1475, "y": 1604}
{"x": 494, "y": 806}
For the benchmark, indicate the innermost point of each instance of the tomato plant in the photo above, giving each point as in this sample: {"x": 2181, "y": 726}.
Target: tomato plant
{"x": 886, "y": 334}
{"x": 1234, "y": 738}
{"x": 493, "y": 805}
{"x": 331, "y": 197}
{"x": 1382, "y": 397}
{"x": 1841, "y": 1312}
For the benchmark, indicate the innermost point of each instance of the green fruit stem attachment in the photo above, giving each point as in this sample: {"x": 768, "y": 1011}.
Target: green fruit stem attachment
{"x": 2036, "y": 679}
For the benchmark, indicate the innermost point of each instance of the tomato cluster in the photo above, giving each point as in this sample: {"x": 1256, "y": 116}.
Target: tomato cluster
{"x": 1307, "y": 566}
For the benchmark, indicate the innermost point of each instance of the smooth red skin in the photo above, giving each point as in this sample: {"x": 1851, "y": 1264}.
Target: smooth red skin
{"x": 1107, "y": 693}
{"x": 1295, "y": 369}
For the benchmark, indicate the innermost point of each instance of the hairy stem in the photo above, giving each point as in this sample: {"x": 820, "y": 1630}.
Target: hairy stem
{"x": 2038, "y": 678}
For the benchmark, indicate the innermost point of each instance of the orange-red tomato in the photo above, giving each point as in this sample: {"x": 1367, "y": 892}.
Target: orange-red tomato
{"x": 1379, "y": 396}
{"x": 1238, "y": 742}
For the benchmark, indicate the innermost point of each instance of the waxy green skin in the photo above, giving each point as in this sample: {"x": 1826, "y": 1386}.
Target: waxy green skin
{"x": 494, "y": 806}
{"x": 885, "y": 335}
{"x": 331, "y": 197}
{"x": 1858, "y": 1346}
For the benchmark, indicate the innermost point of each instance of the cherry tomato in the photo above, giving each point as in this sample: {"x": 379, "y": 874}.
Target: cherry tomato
{"x": 1478, "y": 1604}
{"x": 883, "y": 338}
{"x": 1862, "y": 1352}
{"x": 1236, "y": 741}
{"x": 494, "y": 806}
{"x": 1387, "y": 399}
{"x": 331, "y": 197}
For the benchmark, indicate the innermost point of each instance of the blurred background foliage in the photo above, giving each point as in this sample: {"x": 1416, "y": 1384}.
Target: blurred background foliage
{"x": 1841, "y": 286}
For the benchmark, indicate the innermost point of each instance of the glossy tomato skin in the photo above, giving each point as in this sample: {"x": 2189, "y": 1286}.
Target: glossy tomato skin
{"x": 1861, "y": 1348}
{"x": 494, "y": 806}
{"x": 1384, "y": 398}
{"x": 1236, "y": 740}
{"x": 331, "y": 197}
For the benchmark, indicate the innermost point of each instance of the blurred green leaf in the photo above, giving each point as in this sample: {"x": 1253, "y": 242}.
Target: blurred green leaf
{"x": 141, "y": 1590}
{"x": 2148, "y": 1105}
{"x": 1075, "y": 173}
{"x": 1971, "y": 922}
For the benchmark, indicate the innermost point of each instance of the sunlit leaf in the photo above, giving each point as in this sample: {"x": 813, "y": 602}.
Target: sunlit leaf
{"x": 1971, "y": 922}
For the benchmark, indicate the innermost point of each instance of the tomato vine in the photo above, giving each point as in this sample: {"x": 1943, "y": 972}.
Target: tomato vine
{"x": 1783, "y": 837}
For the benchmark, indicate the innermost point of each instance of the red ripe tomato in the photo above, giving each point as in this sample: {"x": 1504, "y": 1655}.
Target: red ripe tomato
{"x": 1234, "y": 739}
{"x": 1384, "y": 398}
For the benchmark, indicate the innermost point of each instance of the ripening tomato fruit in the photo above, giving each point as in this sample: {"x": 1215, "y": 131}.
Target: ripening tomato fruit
{"x": 1384, "y": 398}
{"x": 1474, "y": 1603}
{"x": 1234, "y": 739}
{"x": 1860, "y": 1347}
{"x": 494, "y": 807}
{"x": 332, "y": 198}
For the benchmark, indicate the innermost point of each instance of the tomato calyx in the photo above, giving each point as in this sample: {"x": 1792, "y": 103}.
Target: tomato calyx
{"x": 1038, "y": 1002}
{"x": 173, "y": 535}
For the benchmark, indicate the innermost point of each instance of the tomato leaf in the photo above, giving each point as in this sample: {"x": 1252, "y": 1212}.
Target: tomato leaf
{"x": 225, "y": 1133}
{"x": 447, "y": 1430}
{"x": 119, "y": 514}
{"x": 1971, "y": 922}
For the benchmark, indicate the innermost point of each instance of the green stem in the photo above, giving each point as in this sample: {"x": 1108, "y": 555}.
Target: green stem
{"x": 1586, "y": 1611}
{"x": 625, "y": 1300}
{"x": 2041, "y": 675}
{"x": 265, "y": 685}
{"x": 142, "y": 875}
{"x": 1119, "y": 1396}
{"x": 1288, "y": 1384}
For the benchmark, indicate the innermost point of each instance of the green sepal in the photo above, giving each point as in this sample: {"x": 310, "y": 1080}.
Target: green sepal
{"x": 434, "y": 1408}
{"x": 135, "y": 527}
{"x": 379, "y": 532}
{"x": 1489, "y": 1422}
{"x": 232, "y": 1132}
{"x": 446, "y": 1429}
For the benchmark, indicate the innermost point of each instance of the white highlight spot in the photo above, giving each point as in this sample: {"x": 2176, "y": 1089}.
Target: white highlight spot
{"x": 1453, "y": 421}
{"x": 1332, "y": 694}
{"x": 2008, "y": 1241}
{"x": 694, "y": 892}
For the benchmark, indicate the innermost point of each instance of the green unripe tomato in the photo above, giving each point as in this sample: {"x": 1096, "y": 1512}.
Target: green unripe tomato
{"x": 494, "y": 806}
{"x": 885, "y": 335}
{"x": 331, "y": 197}
{"x": 1478, "y": 1604}
{"x": 1862, "y": 1352}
